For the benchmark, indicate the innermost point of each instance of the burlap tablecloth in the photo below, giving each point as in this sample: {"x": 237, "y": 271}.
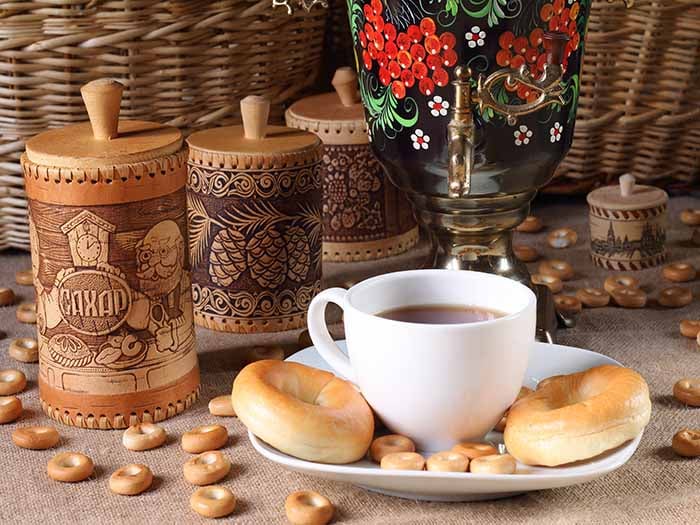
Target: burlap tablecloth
{"x": 656, "y": 486}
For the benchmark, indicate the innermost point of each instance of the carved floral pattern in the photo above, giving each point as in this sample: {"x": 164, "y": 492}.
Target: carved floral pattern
{"x": 239, "y": 304}
{"x": 223, "y": 183}
{"x": 353, "y": 184}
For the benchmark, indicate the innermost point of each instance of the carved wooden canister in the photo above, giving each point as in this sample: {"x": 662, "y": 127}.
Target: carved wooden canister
{"x": 364, "y": 215}
{"x": 628, "y": 225}
{"x": 108, "y": 229}
{"x": 254, "y": 206}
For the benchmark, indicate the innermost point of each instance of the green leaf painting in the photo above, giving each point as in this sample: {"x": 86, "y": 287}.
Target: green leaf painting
{"x": 571, "y": 92}
{"x": 384, "y": 110}
{"x": 492, "y": 10}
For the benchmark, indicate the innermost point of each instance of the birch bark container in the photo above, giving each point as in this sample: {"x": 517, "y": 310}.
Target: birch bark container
{"x": 254, "y": 206}
{"x": 108, "y": 235}
{"x": 628, "y": 225}
{"x": 365, "y": 216}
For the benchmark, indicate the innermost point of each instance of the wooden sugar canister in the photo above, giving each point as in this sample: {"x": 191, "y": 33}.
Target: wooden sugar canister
{"x": 365, "y": 216}
{"x": 108, "y": 228}
{"x": 254, "y": 207}
{"x": 628, "y": 225}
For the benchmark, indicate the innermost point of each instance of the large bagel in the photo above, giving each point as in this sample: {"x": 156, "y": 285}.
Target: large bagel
{"x": 302, "y": 411}
{"x": 578, "y": 416}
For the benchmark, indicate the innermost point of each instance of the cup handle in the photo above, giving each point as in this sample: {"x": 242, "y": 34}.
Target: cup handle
{"x": 319, "y": 331}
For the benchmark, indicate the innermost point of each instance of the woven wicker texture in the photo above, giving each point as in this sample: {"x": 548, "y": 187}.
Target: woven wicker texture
{"x": 186, "y": 63}
{"x": 639, "y": 105}
{"x": 639, "y": 110}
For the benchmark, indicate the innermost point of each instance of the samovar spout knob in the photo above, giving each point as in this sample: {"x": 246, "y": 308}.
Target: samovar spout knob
{"x": 555, "y": 43}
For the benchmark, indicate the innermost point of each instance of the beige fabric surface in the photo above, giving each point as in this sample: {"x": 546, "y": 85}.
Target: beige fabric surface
{"x": 654, "y": 487}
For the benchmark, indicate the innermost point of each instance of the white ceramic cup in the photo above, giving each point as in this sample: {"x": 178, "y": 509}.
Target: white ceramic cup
{"x": 438, "y": 384}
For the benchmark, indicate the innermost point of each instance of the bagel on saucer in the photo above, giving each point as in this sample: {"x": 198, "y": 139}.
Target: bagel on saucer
{"x": 304, "y": 412}
{"x": 578, "y": 416}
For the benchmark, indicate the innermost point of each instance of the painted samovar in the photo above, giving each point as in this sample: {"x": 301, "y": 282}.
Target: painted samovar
{"x": 470, "y": 106}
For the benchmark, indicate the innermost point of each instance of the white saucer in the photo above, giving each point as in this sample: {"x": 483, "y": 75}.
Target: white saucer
{"x": 546, "y": 360}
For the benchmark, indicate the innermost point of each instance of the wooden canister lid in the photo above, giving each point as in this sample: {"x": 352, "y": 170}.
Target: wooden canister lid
{"x": 627, "y": 196}
{"x": 255, "y": 144}
{"x": 105, "y": 141}
{"x": 338, "y": 117}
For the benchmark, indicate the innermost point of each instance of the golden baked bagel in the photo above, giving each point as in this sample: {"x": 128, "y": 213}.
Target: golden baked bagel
{"x": 304, "y": 412}
{"x": 578, "y": 416}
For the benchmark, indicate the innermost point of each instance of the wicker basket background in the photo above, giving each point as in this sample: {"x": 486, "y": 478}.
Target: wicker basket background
{"x": 639, "y": 110}
{"x": 186, "y": 63}
{"x": 639, "y": 106}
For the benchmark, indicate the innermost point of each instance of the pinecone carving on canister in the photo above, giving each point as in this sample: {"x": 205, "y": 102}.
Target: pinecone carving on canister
{"x": 254, "y": 214}
{"x": 298, "y": 253}
{"x": 227, "y": 260}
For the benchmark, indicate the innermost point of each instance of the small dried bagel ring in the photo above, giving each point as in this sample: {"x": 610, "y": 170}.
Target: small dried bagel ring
{"x": 24, "y": 349}
{"x": 562, "y": 238}
{"x": 679, "y": 272}
{"x": 553, "y": 283}
{"x": 557, "y": 268}
{"x": 687, "y": 390}
{"x": 403, "y": 461}
{"x": 530, "y": 224}
{"x": 567, "y": 304}
{"x": 36, "y": 438}
{"x": 258, "y": 353}
{"x": 12, "y": 382}
{"x": 473, "y": 449}
{"x": 620, "y": 281}
{"x": 70, "y": 467}
{"x": 143, "y": 436}
{"x": 501, "y": 425}
{"x": 10, "y": 409}
{"x": 7, "y": 296}
{"x": 687, "y": 443}
{"x": 131, "y": 480}
{"x": 675, "y": 297}
{"x": 24, "y": 277}
{"x": 493, "y": 464}
{"x": 213, "y": 501}
{"x": 593, "y": 297}
{"x": 690, "y": 328}
{"x": 525, "y": 253}
{"x": 629, "y": 297}
{"x": 204, "y": 438}
{"x": 691, "y": 217}
{"x": 448, "y": 461}
{"x": 306, "y": 507}
{"x": 26, "y": 313}
{"x": 384, "y": 445}
{"x": 206, "y": 468}
{"x": 222, "y": 406}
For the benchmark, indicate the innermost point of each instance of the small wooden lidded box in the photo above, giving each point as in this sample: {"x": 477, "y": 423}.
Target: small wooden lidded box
{"x": 108, "y": 230}
{"x": 254, "y": 211}
{"x": 628, "y": 225}
{"x": 365, "y": 216}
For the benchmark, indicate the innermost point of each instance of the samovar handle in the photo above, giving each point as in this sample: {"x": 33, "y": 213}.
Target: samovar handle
{"x": 548, "y": 84}
{"x": 461, "y": 132}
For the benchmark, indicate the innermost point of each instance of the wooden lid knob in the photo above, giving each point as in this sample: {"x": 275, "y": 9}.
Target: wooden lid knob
{"x": 345, "y": 84}
{"x": 255, "y": 111}
{"x": 102, "y": 98}
{"x": 627, "y": 185}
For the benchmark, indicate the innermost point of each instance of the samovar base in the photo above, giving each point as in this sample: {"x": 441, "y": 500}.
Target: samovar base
{"x": 493, "y": 253}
